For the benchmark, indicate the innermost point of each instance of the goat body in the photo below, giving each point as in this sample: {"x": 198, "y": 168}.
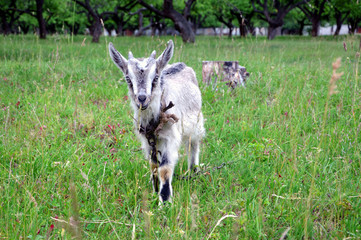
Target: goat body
{"x": 167, "y": 110}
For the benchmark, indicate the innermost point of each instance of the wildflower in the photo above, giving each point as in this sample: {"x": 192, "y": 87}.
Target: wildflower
{"x": 335, "y": 76}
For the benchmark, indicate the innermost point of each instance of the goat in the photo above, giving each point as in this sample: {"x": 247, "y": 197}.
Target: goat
{"x": 154, "y": 88}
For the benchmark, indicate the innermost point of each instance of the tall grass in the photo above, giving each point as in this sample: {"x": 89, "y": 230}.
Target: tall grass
{"x": 71, "y": 165}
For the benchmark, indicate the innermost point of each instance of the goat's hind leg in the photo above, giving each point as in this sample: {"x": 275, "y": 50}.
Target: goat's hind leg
{"x": 192, "y": 149}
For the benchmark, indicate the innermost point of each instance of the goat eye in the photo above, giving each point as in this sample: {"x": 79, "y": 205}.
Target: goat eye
{"x": 155, "y": 81}
{"x": 127, "y": 78}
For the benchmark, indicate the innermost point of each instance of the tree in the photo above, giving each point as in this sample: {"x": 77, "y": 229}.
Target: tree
{"x": 73, "y": 19}
{"x": 274, "y": 13}
{"x": 141, "y": 27}
{"x": 243, "y": 12}
{"x": 229, "y": 12}
{"x": 158, "y": 23}
{"x": 118, "y": 15}
{"x": 295, "y": 22}
{"x": 354, "y": 18}
{"x": 224, "y": 15}
{"x": 180, "y": 20}
{"x": 40, "y": 18}
{"x": 98, "y": 11}
{"x": 34, "y": 11}
{"x": 94, "y": 18}
{"x": 9, "y": 15}
{"x": 314, "y": 11}
{"x": 26, "y": 22}
{"x": 341, "y": 10}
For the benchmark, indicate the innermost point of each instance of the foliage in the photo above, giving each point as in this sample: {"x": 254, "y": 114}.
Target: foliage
{"x": 70, "y": 163}
{"x": 67, "y": 17}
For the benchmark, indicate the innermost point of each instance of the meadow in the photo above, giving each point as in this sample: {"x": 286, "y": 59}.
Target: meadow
{"x": 280, "y": 157}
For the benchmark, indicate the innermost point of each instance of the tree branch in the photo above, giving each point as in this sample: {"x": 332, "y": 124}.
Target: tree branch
{"x": 27, "y": 11}
{"x": 127, "y": 7}
{"x": 290, "y": 6}
{"x": 254, "y": 7}
{"x": 137, "y": 12}
{"x": 346, "y": 16}
{"x": 152, "y": 8}
{"x": 81, "y": 3}
{"x": 87, "y": 7}
{"x": 320, "y": 10}
{"x": 187, "y": 8}
{"x": 306, "y": 11}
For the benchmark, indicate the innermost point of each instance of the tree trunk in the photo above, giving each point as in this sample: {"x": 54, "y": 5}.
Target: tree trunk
{"x": 94, "y": 17}
{"x": 230, "y": 32}
{"x": 161, "y": 26}
{"x": 120, "y": 30}
{"x": 352, "y": 24}
{"x": 180, "y": 21}
{"x": 243, "y": 30}
{"x": 24, "y": 27}
{"x": 301, "y": 26}
{"x": 40, "y": 18}
{"x": 140, "y": 25}
{"x": 73, "y": 28}
{"x": 352, "y": 28}
{"x": 252, "y": 30}
{"x": 5, "y": 24}
{"x": 338, "y": 27}
{"x": 242, "y": 25}
{"x": 9, "y": 18}
{"x": 315, "y": 26}
{"x": 300, "y": 29}
{"x": 184, "y": 27}
{"x": 340, "y": 20}
{"x": 97, "y": 30}
{"x": 76, "y": 28}
{"x": 119, "y": 20}
{"x": 338, "y": 17}
{"x": 273, "y": 31}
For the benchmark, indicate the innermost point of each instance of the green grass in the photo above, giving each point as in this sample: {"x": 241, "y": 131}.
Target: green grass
{"x": 69, "y": 153}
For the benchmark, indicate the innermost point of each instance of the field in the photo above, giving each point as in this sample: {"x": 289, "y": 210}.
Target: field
{"x": 281, "y": 156}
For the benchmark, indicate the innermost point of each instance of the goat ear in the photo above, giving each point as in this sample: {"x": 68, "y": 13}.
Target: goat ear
{"x": 118, "y": 59}
{"x": 164, "y": 58}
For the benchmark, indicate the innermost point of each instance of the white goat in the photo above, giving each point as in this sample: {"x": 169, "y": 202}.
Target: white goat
{"x": 155, "y": 87}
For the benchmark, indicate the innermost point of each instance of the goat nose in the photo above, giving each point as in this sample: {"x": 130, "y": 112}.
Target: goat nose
{"x": 142, "y": 98}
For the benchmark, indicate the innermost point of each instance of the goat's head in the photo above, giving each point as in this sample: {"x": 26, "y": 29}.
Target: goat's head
{"x": 142, "y": 74}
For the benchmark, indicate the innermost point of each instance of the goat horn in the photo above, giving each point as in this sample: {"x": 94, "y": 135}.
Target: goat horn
{"x": 153, "y": 55}
{"x": 130, "y": 55}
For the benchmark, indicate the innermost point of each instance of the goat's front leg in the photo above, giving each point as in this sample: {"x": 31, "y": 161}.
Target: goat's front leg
{"x": 165, "y": 171}
{"x": 153, "y": 163}
{"x": 154, "y": 175}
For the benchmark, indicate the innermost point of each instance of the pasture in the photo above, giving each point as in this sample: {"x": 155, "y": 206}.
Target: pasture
{"x": 282, "y": 154}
